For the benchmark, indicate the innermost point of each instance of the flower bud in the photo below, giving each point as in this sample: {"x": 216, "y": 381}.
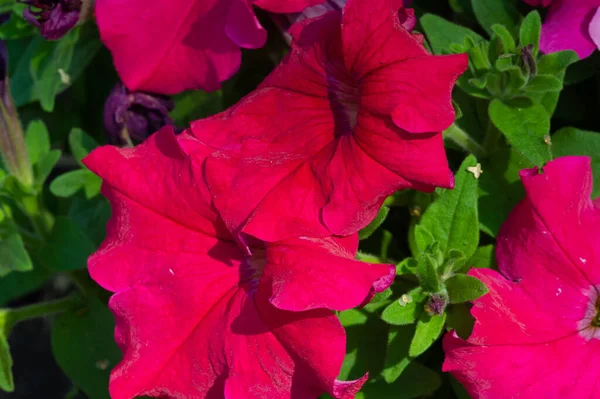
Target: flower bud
{"x": 12, "y": 140}
{"x": 54, "y": 17}
{"x": 134, "y": 115}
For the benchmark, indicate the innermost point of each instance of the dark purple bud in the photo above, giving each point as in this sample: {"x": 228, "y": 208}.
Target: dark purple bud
{"x": 134, "y": 115}
{"x": 54, "y": 17}
{"x": 528, "y": 60}
{"x": 437, "y": 304}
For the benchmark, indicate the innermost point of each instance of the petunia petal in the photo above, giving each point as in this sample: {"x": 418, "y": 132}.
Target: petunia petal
{"x": 172, "y": 46}
{"x": 309, "y": 273}
{"x": 243, "y": 27}
{"x": 285, "y": 6}
{"x": 560, "y": 201}
{"x": 566, "y": 27}
{"x": 135, "y": 173}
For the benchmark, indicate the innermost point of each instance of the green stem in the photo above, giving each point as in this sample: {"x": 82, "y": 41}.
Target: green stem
{"x": 16, "y": 315}
{"x": 40, "y": 218}
{"x": 464, "y": 141}
{"x": 86, "y": 285}
{"x": 492, "y": 138}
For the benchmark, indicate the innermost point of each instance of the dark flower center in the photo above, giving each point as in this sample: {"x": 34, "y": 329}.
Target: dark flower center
{"x": 344, "y": 98}
{"x": 252, "y": 268}
{"x": 596, "y": 320}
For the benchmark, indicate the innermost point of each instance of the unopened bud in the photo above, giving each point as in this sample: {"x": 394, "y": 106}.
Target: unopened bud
{"x": 134, "y": 115}
{"x": 12, "y": 140}
{"x": 54, "y": 17}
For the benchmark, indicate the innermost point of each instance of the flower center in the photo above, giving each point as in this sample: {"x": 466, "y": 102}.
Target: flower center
{"x": 344, "y": 97}
{"x": 252, "y": 268}
{"x": 589, "y": 326}
{"x": 596, "y": 320}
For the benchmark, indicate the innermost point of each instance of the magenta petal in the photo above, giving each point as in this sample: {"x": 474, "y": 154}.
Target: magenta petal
{"x": 243, "y": 27}
{"x": 172, "y": 46}
{"x": 285, "y": 6}
{"x": 594, "y": 29}
{"x": 566, "y": 27}
{"x": 558, "y": 369}
{"x": 305, "y": 153}
{"x": 535, "y": 332}
{"x": 311, "y": 274}
{"x": 189, "y": 318}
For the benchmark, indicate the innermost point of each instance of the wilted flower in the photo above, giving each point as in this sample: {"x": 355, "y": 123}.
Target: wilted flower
{"x": 352, "y": 114}
{"x": 536, "y": 332}
{"x": 54, "y": 17}
{"x": 197, "y": 315}
{"x": 134, "y": 115}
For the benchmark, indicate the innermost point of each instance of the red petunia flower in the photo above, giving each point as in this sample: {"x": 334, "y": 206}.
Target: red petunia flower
{"x": 198, "y": 317}
{"x": 168, "y": 46}
{"x": 537, "y": 332}
{"x": 351, "y": 115}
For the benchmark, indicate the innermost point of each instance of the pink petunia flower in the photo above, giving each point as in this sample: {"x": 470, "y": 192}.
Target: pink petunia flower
{"x": 351, "y": 115}
{"x": 570, "y": 25}
{"x": 168, "y": 46}
{"x": 198, "y": 317}
{"x": 536, "y": 332}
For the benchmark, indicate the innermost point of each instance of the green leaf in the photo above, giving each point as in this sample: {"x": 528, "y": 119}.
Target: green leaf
{"x": 442, "y": 33}
{"x": 491, "y": 12}
{"x": 406, "y": 309}
{"x": 500, "y": 188}
{"x": 556, "y": 63}
{"x": 6, "y": 377}
{"x": 452, "y": 218}
{"x": 37, "y": 141}
{"x": 429, "y": 328}
{"x": 16, "y": 285}
{"x": 396, "y": 356}
{"x": 571, "y": 141}
{"x": 525, "y": 126}
{"x": 427, "y": 273}
{"x": 375, "y": 223}
{"x": 382, "y": 296}
{"x": 508, "y": 43}
{"x": 47, "y": 68}
{"x": 407, "y": 266}
{"x": 68, "y": 247}
{"x": 16, "y": 27}
{"x": 462, "y": 288}
{"x": 530, "y": 31}
{"x": 82, "y": 343}
{"x": 416, "y": 381}
{"x": 364, "y": 352}
{"x": 456, "y": 262}
{"x": 13, "y": 256}
{"x": 544, "y": 84}
{"x": 460, "y": 319}
{"x": 69, "y": 183}
{"x": 423, "y": 238}
{"x": 484, "y": 257}
{"x": 195, "y": 104}
{"x": 81, "y": 144}
{"x": 91, "y": 215}
{"x": 44, "y": 167}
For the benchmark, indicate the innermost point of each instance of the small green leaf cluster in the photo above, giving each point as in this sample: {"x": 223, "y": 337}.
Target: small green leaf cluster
{"x": 443, "y": 242}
